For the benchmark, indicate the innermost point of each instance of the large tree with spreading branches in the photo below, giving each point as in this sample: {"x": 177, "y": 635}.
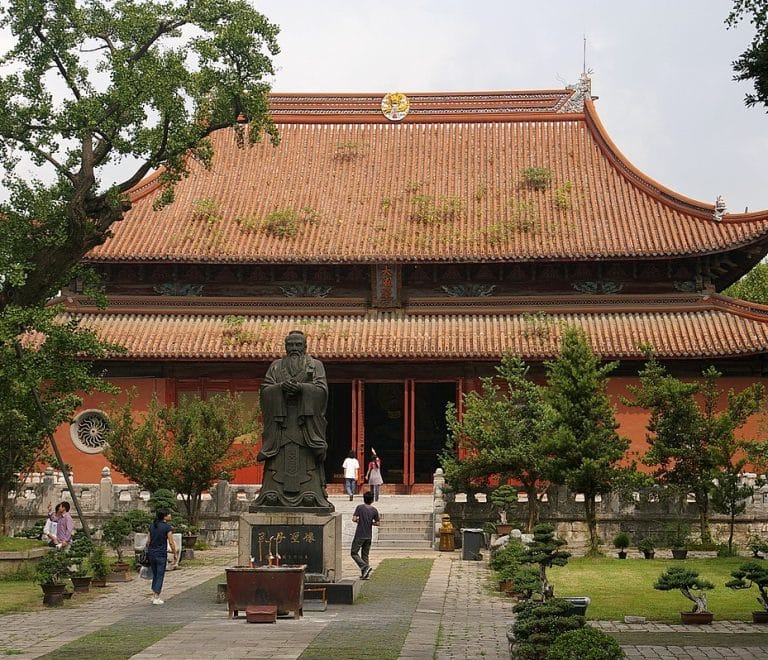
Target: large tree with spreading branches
{"x": 752, "y": 64}
{"x": 691, "y": 436}
{"x": 88, "y": 85}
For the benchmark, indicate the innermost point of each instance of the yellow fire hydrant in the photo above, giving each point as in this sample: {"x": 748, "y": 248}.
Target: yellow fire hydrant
{"x": 446, "y": 534}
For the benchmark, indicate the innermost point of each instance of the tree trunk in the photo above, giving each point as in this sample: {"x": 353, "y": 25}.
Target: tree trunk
{"x": 6, "y": 507}
{"x": 547, "y": 591}
{"x": 731, "y": 525}
{"x": 533, "y": 508}
{"x": 702, "y": 502}
{"x": 591, "y": 519}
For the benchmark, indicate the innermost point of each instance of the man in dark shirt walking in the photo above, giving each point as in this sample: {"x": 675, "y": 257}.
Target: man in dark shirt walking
{"x": 366, "y": 516}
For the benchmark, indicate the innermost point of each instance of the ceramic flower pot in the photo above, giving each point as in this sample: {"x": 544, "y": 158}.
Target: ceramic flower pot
{"x": 696, "y": 618}
{"x": 53, "y": 594}
{"x": 81, "y": 584}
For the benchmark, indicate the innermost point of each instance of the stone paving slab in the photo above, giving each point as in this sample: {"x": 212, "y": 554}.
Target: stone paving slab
{"x": 457, "y": 616}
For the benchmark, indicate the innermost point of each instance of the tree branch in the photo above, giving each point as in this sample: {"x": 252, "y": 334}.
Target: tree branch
{"x": 162, "y": 28}
{"x": 59, "y": 64}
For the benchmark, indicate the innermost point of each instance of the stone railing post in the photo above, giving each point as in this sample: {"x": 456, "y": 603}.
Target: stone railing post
{"x": 223, "y": 498}
{"x": 105, "y": 491}
{"x": 438, "y": 504}
{"x": 48, "y": 493}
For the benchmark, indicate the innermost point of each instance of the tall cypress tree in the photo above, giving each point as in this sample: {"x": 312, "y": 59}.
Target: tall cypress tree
{"x": 586, "y": 449}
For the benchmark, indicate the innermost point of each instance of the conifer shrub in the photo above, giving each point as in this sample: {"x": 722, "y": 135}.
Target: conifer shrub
{"x": 586, "y": 643}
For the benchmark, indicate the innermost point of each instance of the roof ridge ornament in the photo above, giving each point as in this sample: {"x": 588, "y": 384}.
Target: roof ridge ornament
{"x": 395, "y": 106}
{"x": 721, "y": 208}
{"x": 581, "y": 90}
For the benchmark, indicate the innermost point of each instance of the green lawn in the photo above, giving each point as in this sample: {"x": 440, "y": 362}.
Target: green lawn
{"x": 621, "y": 587}
{"x": 19, "y": 597}
{"x": 13, "y": 544}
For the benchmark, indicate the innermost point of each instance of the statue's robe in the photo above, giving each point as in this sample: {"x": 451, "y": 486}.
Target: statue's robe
{"x": 294, "y": 444}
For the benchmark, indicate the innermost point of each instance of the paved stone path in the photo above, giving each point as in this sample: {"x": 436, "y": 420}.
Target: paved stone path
{"x": 457, "y": 616}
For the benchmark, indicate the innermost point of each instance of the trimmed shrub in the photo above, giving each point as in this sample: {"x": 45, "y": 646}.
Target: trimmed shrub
{"x": 539, "y": 624}
{"x": 587, "y": 643}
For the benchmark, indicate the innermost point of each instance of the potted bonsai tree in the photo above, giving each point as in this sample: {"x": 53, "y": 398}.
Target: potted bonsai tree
{"x": 621, "y": 541}
{"x": 115, "y": 534}
{"x": 503, "y": 498}
{"x": 99, "y": 565}
{"x": 504, "y": 562}
{"x": 758, "y": 546}
{"x": 51, "y": 571}
{"x": 744, "y": 577}
{"x": 79, "y": 568}
{"x": 688, "y": 582}
{"x": 645, "y": 545}
{"x": 677, "y": 537}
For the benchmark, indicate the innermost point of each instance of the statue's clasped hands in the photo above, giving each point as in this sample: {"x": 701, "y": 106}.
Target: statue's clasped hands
{"x": 291, "y": 387}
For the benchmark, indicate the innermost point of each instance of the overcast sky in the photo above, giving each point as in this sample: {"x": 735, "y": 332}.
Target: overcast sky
{"x": 662, "y": 70}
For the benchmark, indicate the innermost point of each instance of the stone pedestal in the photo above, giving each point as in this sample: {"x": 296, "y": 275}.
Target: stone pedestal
{"x": 299, "y": 537}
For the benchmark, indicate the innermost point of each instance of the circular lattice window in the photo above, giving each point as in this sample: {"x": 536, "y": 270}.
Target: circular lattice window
{"x": 89, "y": 431}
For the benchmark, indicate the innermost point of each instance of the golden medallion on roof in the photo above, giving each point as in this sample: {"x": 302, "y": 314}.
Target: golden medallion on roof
{"x": 395, "y": 106}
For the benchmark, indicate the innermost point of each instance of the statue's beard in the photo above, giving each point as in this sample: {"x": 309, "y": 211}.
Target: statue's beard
{"x": 295, "y": 363}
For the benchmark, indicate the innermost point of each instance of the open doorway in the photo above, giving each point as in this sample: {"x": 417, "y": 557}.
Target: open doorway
{"x": 384, "y": 428}
{"x": 430, "y": 428}
{"x": 339, "y": 430}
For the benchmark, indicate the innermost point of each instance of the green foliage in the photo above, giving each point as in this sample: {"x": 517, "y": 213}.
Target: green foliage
{"x": 730, "y": 495}
{"x": 185, "y": 447}
{"x": 206, "y": 209}
{"x": 753, "y": 62}
{"x": 52, "y": 568}
{"x": 138, "y": 520}
{"x": 38, "y": 353}
{"x": 98, "y": 562}
{"x": 538, "y": 625}
{"x": 85, "y": 85}
{"x": 757, "y": 545}
{"x": 586, "y": 643}
{"x": 502, "y": 432}
{"x": 748, "y": 574}
{"x": 563, "y": 196}
{"x": 586, "y": 449}
{"x": 536, "y": 178}
{"x": 677, "y": 534}
{"x": 33, "y": 532}
{"x": 690, "y": 442}
{"x": 79, "y": 551}
{"x": 432, "y": 210}
{"x": 507, "y": 560}
{"x": 115, "y": 533}
{"x": 163, "y": 498}
{"x": 503, "y": 498}
{"x": 688, "y": 582}
{"x": 526, "y": 581}
{"x": 545, "y": 551}
{"x": 753, "y": 286}
{"x": 622, "y": 540}
{"x": 287, "y": 223}
{"x": 646, "y": 544}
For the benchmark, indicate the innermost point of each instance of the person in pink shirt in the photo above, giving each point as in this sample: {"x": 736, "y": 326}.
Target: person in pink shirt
{"x": 64, "y": 525}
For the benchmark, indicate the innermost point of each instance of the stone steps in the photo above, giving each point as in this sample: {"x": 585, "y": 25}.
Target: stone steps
{"x": 408, "y": 531}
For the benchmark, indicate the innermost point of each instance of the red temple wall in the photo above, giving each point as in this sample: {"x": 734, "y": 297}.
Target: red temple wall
{"x": 87, "y": 467}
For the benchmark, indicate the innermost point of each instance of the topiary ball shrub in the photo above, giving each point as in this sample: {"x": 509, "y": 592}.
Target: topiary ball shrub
{"x": 586, "y": 643}
{"x": 538, "y": 625}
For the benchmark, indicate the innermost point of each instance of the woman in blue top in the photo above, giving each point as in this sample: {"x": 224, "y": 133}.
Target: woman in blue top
{"x": 160, "y": 537}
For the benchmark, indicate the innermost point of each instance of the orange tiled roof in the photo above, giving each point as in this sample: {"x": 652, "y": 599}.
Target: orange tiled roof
{"x": 713, "y": 327}
{"x": 445, "y": 184}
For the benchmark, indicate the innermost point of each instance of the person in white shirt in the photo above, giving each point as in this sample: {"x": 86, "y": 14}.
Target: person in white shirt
{"x": 351, "y": 468}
